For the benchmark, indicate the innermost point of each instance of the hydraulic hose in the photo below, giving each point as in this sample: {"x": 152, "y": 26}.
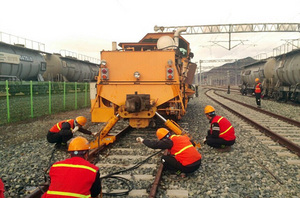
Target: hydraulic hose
{"x": 127, "y": 182}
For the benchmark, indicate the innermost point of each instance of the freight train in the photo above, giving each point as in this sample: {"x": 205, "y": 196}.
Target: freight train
{"x": 21, "y": 64}
{"x": 279, "y": 75}
{"x": 144, "y": 79}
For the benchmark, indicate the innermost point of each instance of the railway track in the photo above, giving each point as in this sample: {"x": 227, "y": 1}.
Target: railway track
{"x": 128, "y": 168}
{"x": 255, "y": 167}
{"x": 284, "y": 132}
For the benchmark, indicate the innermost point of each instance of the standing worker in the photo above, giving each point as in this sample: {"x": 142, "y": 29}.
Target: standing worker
{"x": 257, "y": 90}
{"x": 63, "y": 131}
{"x": 75, "y": 176}
{"x": 221, "y": 132}
{"x": 183, "y": 157}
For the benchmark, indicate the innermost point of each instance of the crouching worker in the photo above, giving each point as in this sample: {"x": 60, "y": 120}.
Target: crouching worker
{"x": 75, "y": 176}
{"x": 221, "y": 132}
{"x": 183, "y": 157}
{"x": 63, "y": 131}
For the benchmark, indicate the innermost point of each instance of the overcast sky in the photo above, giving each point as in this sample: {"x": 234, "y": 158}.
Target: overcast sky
{"x": 89, "y": 26}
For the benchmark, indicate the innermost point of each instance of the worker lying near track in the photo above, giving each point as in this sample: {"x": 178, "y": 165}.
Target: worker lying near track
{"x": 63, "y": 131}
{"x": 221, "y": 132}
{"x": 74, "y": 177}
{"x": 183, "y": 157}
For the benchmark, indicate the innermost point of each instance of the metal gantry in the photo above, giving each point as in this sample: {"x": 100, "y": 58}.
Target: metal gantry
{"x": 233, "y": 28}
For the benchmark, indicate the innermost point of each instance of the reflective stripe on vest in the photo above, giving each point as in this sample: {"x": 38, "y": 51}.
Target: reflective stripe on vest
{"x": 184, "y": 148}
{"x": 67, "y": 194}
{"x": 75, "y": 166}
{"x": 59, "y": 126}
{"x": 257, "y": 88}
{"x": 226, "y": 129}
{"x": 219, "y": 119}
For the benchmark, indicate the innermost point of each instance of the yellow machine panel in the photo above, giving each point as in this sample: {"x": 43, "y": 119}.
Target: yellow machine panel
{"x": 143, "y": 78}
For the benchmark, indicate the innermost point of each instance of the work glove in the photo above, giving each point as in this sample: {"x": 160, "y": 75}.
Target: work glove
{"x": 75, "y": 129}
{"x": 95, "y": 134}
{"x": 204, "y": 141}
{"x": 139, "y": 139}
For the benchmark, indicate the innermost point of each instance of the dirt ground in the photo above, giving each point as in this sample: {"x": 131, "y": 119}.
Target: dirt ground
{"x": 36, "y": 128}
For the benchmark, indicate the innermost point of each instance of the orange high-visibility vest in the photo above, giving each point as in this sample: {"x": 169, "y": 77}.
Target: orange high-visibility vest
{"x": 226, "y": 129}
{"x": 57, "y": 127}
{"x": 183, "y": 150}
{"x": 257, "y": 88}
{"x": 72, "y": 177}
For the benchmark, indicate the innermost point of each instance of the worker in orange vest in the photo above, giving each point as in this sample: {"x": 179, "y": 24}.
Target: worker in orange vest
{"x": 1, "y": 189}
{"x": 221, "y": 132}
{"x": 182, "y": 158}
{"x": 63, "y": 131}
{"x": 257, "y": 90}
{"x": 75, "y": 176}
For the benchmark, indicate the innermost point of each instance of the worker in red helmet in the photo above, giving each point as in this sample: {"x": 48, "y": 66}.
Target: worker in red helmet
{"x": 221, "y": 132}
{"x": 75, "y": 176}
{"x": 63, "y": 131}
{"x": 257, "y": 90}
{"x": 182, "y": 158}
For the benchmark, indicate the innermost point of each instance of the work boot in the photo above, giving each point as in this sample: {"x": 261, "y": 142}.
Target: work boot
{"x": 224, "y": 149}
{"x": 57, "y": 145}
{"x": 61, "y": 146}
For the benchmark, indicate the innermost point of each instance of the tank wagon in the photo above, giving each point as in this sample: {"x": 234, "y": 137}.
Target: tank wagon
{"x": 21, "y": 64}
{"x": 154, "y": 75}
{"x": 69, "y": 69}
{"x": 248, "y": 75}
{"x": 281, "y": 76}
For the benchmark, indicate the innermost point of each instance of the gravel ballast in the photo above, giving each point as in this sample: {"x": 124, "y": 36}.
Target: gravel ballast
{"x": 241, "y": 172}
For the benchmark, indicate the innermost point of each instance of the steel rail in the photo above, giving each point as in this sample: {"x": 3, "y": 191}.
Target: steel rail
{"x": 39, "y": 191}
{"x": 155, "y": 184}
{"x": 280, "y": 117}
{"x": 283, "y": 141}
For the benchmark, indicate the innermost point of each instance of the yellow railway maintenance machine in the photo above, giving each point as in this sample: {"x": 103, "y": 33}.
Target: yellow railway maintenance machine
{"x": 142, "y": 81}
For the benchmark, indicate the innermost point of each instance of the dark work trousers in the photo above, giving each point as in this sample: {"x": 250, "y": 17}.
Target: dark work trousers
{"x": 218, "y": 142}
{"x": 61, "y": 137}
{"x": 170, "y": 163}
{"x": 258, "y": 98}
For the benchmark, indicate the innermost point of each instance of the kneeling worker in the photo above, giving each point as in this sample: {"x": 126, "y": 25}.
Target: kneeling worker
{"x": 221, "y": 132}
{"x": 74, "y": 177}
{"x": 183, "y": 156}
{"x": 63, "y": 131}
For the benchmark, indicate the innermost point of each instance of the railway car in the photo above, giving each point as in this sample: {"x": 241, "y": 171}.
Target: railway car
{"x": 21, "y": 62}
{"x": 280, "y": 76}
{"x": 21, "y": 65}
{"x": 69, "y": 69}
{"x": 154, "y": 75}
{"x": 248, "y": 75}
